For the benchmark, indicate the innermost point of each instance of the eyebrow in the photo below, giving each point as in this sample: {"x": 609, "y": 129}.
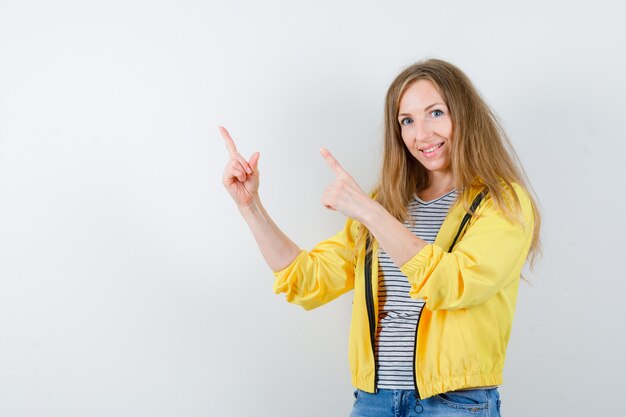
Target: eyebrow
{"x": 426, "y": 109}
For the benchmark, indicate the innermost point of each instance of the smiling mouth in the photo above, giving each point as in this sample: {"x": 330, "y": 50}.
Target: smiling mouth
{"x": 432, "y": 148}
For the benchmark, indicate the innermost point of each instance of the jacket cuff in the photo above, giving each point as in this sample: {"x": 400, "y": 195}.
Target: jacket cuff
{"x": 417, "y": 263}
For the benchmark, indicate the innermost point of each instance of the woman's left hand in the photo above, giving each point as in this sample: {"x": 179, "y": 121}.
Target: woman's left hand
{"x": 344, "y": 194}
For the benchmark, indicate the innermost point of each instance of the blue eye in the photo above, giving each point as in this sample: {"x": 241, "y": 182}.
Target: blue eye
{"x": 406, "y": 121}
{"x": 436, "y": 113}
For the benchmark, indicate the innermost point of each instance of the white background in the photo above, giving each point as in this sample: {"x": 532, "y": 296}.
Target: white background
{"x": 129, "y": 284}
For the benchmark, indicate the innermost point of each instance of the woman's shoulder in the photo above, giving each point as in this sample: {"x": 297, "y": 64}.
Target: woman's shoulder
{"x": 511, "y": 190}
{"x": 513, "y": 201}
{"x": 522, "y": 194}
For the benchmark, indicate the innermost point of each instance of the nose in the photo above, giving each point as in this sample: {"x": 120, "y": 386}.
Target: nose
{"x": 422, "y": 130}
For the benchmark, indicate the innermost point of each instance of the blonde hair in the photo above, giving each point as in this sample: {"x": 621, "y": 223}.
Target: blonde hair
{"x": 481, "y": 155}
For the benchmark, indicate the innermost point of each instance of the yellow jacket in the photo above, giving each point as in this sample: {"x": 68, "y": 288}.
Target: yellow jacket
{"x": 469, "y": 295}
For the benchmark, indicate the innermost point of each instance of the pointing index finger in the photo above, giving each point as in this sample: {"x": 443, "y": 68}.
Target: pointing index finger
{"x": 332, "y": 162}
{"x": 230, "y": 143}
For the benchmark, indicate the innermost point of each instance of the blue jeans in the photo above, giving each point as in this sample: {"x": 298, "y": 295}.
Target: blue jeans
{"x": 404, "y": 403}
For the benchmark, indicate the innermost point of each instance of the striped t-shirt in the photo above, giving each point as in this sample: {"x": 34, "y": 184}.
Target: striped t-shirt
{"x": 398, "y": 313}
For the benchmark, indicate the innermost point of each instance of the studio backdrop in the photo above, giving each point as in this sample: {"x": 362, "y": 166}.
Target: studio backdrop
{"x": 131, "y": 286}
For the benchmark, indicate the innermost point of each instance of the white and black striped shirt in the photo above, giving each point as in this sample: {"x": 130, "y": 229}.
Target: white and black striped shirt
{"x": 398, "y": 313}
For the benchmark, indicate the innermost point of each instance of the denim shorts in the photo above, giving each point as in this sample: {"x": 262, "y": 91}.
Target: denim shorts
{"x": 404, "y": 403}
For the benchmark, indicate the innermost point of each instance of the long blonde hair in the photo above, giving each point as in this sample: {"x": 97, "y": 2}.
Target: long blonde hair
{"x": 481, "y": 155}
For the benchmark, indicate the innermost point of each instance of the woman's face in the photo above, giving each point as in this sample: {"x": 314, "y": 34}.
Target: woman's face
{"x": 426, "y": 126}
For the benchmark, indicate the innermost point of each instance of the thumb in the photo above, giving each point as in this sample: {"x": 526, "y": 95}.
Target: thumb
{"x": 254, "y": 161}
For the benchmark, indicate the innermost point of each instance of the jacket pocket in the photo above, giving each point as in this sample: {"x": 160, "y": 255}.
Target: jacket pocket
{"x": 470, "y": 355}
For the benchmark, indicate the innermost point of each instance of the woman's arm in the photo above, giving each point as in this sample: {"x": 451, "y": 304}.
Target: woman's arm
{"x": 277, "y": 249}
{"x": 241, "y": 179}
{"x": 308, "y": 278}
{"x": 400, "y": 244}
{"x": 345, "y": 196}
{"x": 490, "y": 255}
{"x": 488, "y": 258}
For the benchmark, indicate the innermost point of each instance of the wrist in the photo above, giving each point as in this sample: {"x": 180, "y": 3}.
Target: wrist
{"x": 373, "y": 211}
{"x": 253, "y": 206}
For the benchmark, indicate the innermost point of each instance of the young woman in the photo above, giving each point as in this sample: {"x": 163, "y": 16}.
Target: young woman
{"x": 434, "y": 256}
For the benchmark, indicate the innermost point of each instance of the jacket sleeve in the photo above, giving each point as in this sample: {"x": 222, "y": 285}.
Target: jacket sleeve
{"x": 322, "y": 274}
{"x": 488, "y": 257}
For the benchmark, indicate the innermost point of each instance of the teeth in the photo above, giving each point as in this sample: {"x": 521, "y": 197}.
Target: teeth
{"x": 429, "y": 150}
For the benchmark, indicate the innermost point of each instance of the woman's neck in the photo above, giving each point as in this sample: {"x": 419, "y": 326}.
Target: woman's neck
{"x": 440, "y": 183}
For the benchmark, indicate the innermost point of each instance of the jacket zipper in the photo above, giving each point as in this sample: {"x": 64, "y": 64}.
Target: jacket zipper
{"x": 369, "y": 302}
{"x": 417, "y": 391}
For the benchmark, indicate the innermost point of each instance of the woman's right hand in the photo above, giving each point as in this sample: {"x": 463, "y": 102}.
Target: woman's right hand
{"x": 241, "y": 177}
